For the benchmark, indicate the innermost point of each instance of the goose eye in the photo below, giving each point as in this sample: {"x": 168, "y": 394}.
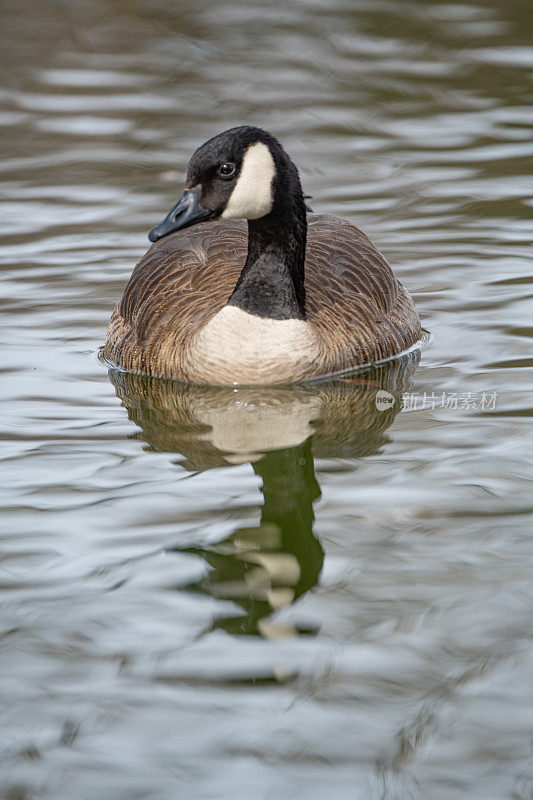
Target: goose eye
{"x": 226, "y": 170}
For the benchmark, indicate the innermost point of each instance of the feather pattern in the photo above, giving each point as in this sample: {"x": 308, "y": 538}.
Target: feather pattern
{"x": 356, "y": 309}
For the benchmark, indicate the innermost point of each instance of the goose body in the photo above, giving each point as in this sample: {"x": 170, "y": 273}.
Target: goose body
{"x": 242, "y": 285}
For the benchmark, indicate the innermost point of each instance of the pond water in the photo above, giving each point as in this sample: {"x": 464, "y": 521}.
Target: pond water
{"x": 278, "y": 594}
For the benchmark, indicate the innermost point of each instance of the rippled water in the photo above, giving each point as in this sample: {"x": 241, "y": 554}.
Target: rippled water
{"x": 268, "y": 594}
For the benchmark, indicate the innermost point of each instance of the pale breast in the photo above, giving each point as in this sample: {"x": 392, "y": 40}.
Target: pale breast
{"x": 238, "y": 347}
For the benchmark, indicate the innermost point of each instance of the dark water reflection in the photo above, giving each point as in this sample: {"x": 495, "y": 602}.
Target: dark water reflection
{"x": 388, "y": 649}
{"x": 266, "y": 567}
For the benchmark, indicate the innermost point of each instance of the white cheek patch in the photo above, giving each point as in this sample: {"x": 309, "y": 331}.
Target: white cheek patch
{"x": 253, "y": 197}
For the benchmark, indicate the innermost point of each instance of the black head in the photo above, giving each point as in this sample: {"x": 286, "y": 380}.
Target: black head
{"x": 243, "y": 173}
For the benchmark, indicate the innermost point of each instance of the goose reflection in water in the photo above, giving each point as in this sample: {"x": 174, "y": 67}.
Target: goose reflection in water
{"x": 279, "y": 430}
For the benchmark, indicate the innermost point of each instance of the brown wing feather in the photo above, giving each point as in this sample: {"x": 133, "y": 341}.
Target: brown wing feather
{"x": 360, "y": 311}
{"x": 175, "y": 289}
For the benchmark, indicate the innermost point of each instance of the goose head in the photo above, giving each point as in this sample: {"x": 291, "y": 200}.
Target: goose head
{"x": 243, "y": 173}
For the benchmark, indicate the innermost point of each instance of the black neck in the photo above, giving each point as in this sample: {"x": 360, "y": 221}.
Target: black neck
{"x": 271, "y": 283}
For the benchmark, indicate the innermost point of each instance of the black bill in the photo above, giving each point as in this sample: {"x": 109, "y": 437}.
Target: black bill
{"x": 186, "y": 212}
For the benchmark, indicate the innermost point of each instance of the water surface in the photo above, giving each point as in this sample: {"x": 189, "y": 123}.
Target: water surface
{"x": 268, "y": 593}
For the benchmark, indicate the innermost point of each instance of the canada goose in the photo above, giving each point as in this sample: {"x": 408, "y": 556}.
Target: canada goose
{"x": 286, "y": 297}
